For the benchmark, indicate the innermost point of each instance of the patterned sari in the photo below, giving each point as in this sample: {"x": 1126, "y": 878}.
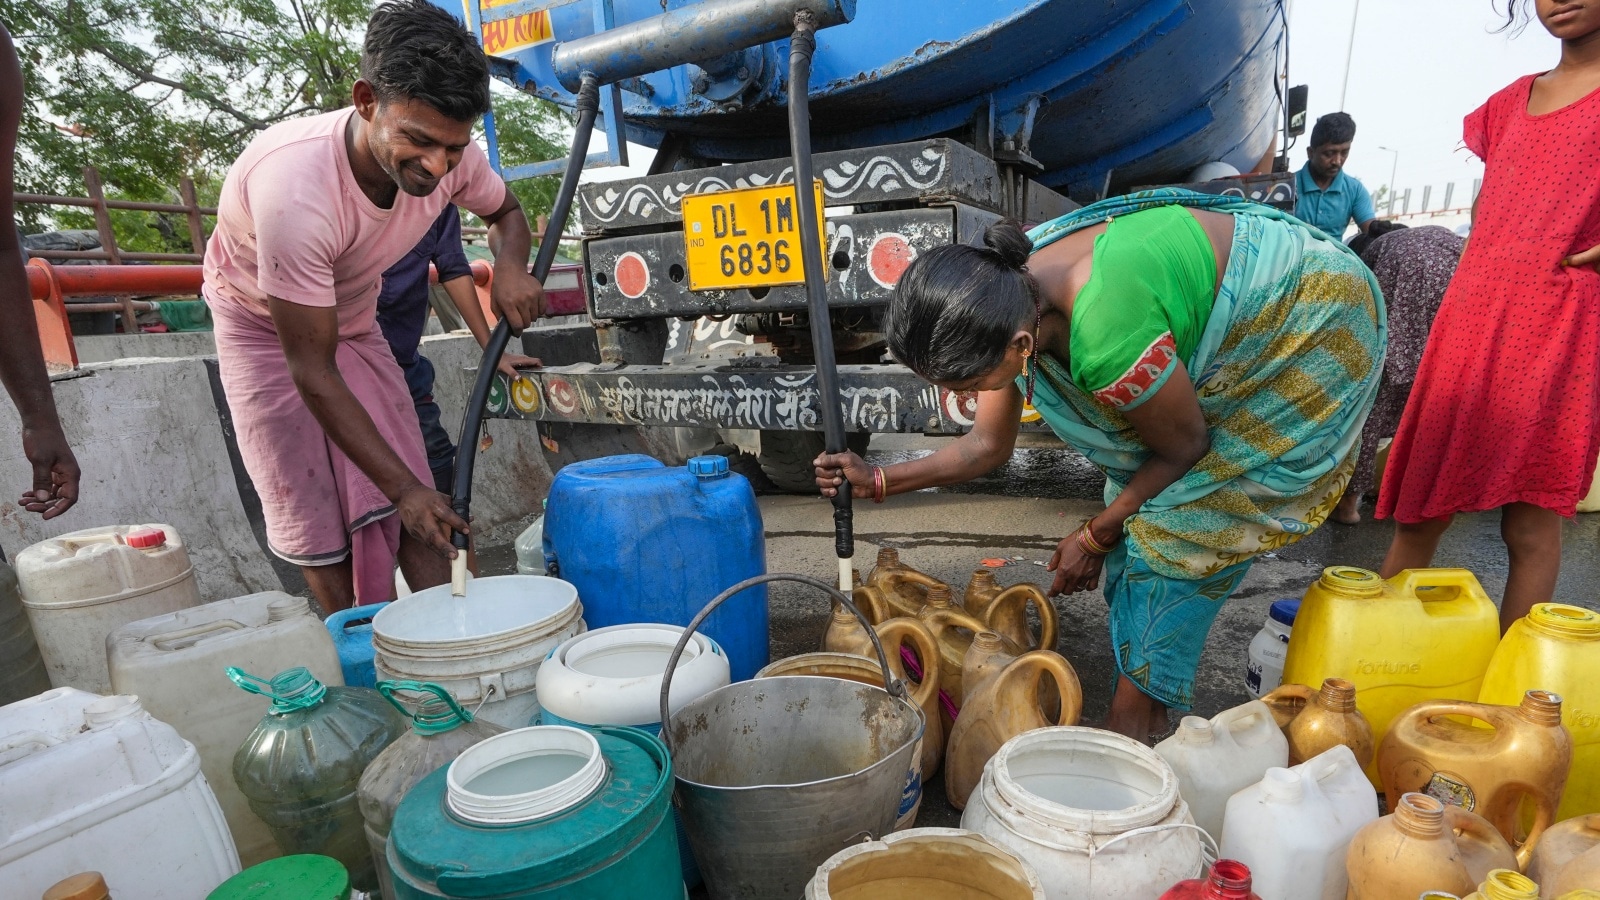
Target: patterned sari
{"x": 1286, "y": 371}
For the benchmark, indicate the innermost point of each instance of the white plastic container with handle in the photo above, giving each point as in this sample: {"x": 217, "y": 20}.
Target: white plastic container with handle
{"x": 1218, "y": 758}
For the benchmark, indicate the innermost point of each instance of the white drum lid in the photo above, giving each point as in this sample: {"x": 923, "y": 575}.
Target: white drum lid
{"x": 500, "y": 605}
{"x": 525, "y": 775}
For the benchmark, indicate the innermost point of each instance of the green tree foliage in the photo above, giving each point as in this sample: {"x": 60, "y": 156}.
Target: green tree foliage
{"x": 150, "y": 91}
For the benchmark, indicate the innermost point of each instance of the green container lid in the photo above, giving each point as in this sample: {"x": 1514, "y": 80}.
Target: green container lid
{"x": 303, "y": 877}
{"x": 463, "y": 859}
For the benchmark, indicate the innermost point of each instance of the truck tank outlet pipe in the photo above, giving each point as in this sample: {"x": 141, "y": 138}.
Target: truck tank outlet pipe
{"x": 588, "y": 106}
{"x": 698, "y": 31}
{"x": 802, "y": 45}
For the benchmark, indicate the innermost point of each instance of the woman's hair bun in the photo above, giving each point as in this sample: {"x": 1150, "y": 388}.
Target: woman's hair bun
{"x": 1009, "y": 242}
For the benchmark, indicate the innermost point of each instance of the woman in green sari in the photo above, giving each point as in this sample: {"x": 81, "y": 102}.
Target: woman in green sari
{"x": 1215, "y": 358}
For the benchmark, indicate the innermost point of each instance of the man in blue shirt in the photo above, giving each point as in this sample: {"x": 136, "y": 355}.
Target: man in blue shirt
{"x": 1325, "y": 196}
{"x": 403, "y": 314}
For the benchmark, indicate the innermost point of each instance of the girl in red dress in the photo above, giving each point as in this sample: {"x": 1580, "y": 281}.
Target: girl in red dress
{"x": 1506, "y": 408}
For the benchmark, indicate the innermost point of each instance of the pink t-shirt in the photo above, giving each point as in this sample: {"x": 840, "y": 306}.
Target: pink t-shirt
{"x": 292, "y": 222}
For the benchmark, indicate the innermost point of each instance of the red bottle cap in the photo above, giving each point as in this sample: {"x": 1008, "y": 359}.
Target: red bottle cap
{"x": 145, "y": 538}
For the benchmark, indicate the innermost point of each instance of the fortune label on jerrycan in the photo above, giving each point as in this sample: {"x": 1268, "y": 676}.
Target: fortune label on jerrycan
{"x": 1557, "y": 648}
{"x": 1424, "y": 845}
{"x": 1008, "y": 703}
{"x": 905, "y": 589}
{"x": 1216, "y": 759}
{"x": 1523, "y": 755}
{"x": 1567, "y": 856}
{"x": 1229, "y": 879}
{"x": 1314, "y": 721}
{"x": 1425, "y": 634}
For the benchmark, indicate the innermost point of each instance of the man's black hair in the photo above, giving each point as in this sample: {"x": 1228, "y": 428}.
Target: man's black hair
{"x": 417, "y": 51}
{"x": 1333, "y": 128}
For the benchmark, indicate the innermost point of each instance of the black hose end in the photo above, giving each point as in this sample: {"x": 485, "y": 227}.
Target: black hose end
{"x": 844, "y": 540}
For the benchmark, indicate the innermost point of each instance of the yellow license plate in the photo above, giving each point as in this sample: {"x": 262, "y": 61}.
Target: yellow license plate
{"x": 746, "y": 238}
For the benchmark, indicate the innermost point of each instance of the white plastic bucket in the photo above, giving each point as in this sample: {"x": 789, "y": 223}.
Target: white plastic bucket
{"x": 487, "y": 645}
{"x": 612, "y": 676}
{"x": 95, "y": 783}
{"x": 1096, "y": 814}
{"x": 525, "y": 775}
{"x": 924, "y": 863}
{"x": 80, "y": 587}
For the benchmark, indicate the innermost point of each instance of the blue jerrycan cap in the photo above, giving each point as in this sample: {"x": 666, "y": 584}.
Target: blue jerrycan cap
{"x": 709, "y": 467}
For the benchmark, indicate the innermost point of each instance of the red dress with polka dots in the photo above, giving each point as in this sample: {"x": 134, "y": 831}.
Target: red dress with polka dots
{"x": 1506, "y": 405}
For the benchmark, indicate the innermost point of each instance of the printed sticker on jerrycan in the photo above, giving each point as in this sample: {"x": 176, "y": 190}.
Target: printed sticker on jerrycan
{"x": 746, "y": 238}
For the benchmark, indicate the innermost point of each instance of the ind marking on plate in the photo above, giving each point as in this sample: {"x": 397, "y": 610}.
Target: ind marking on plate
{"x": 746, "y": 238}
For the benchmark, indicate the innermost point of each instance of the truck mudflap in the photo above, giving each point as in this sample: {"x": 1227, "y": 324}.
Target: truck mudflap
{"x": 877, "y": 398}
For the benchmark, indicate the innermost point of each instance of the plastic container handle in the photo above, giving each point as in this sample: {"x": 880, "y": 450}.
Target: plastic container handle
{"x": 896, "y": 634}
{"x": 1288, "y": 701}
{"x": 25, "y": 739}
{"x": 1042, "y": 663}
{"x": 1412, "y": 579}
{"x": 1029, "y": 594}
{"x": 1209, "y": 852}
{"x": 895, "y": 686}
{"x": 388, "y": 688}
{"x": 354, "y": 617}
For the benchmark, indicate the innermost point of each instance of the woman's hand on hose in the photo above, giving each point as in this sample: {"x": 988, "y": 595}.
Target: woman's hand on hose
{"x": 833, "y": 469}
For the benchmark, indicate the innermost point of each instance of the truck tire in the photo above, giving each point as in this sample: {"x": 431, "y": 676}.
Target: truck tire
{"x": 786, "y": 457}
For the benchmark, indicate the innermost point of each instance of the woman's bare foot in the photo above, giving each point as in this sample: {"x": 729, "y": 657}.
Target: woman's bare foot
{"x": 1348, "y": 512}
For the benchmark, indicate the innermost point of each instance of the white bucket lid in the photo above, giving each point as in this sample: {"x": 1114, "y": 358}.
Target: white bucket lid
{"x": 612, "y": 675}
{"x": 494, "y": 607}
{"x": 531, "y": 773}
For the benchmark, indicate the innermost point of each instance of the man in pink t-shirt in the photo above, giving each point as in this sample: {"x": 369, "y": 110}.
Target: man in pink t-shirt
{"x": 310, "y": 216}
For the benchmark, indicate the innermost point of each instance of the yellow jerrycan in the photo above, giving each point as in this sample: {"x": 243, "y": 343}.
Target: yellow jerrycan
{"x": 904, "y": 588}
{"x": 1567, "y": 856}
{"x": 1505, "y": 884}
{"x": 1424, "y": 846}
{"x": 1006, "y": 611}
{"x": 1321, "y": 719}
{"x": 1007, "y": 705}
{"x": 1556, "y": 648}
{"x": 1442, "y": 748}
{"x": 1425, "y": 634}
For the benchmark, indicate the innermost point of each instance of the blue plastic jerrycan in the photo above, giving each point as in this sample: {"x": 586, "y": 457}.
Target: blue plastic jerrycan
{"x": 644, "y": 542}
{"x": 352, "y": 636}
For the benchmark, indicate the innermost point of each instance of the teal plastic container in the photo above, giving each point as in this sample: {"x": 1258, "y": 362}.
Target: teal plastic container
{"x": 617, "y": 842}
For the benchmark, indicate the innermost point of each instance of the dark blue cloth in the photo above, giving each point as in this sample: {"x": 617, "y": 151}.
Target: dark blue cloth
{"x": 435, "y": 439}
{"x": 403, "y": 300}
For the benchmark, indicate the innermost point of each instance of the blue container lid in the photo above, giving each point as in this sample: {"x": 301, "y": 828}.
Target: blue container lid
{"x": 468, "y": 860}
{"x": 1285, "y": 611}
{"x": 709, "y": 466}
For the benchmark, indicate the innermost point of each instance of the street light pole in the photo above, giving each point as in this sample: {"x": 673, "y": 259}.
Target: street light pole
{"x": 1349, "y": 51}
{"x": 1392, "y": 169}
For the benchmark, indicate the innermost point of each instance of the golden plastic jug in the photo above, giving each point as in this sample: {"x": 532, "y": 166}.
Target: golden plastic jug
{"x": 1321, "y": 720}
{"x": 987, "y": 657}
{"x": 1557, "y": 648}
{"x": 1438, "y": 748}
{"x": 1425, "y": 634}
{"x": 1006, "y": 610}
{"x": 904, "y": 588}
{"x": 1425, "y": 845}
{"x": 1567, "y": 856}
{"x": 953, "y": 628}
{"x": 1505, "y": 884}
{"x": 1007, "y": 705}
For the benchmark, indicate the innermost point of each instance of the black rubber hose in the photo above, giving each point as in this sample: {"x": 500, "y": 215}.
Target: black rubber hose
{"x": 588, "y": 107}
{"x": 801, "y": 47}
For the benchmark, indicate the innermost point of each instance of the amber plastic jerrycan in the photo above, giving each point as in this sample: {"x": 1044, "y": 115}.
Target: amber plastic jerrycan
{"x": 1320, "y": 719}
{"x": 1007, "y": 705}
{"x": 1567, "y": 857}
{"x": 904, "y": 588}
{"x": 1005, "y": 610}
{"x": 1557, "y": 648}
{"x": 1424, "y": 846}
{"x": 1425, "y": 634}
{"x": 1442, "y": 748}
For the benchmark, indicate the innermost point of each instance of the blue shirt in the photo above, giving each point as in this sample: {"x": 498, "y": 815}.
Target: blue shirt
{"x": 403, "y": 300}
{"x": 1331, "y": 210}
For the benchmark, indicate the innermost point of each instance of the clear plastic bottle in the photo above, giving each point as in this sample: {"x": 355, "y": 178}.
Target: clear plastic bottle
{"x": 440, "y": 731}
{"x": 300, "y": 767}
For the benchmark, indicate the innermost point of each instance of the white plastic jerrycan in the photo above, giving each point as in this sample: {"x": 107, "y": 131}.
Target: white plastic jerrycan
{"x": 1294, "y": 827}
{"x": 1215, "y": 760}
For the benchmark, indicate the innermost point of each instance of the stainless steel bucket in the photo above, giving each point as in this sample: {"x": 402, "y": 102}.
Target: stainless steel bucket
{"x": 776, "y": 775}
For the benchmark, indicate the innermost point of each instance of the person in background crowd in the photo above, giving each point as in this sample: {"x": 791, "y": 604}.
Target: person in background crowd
{"x": 1505, "y": 413}
{"x": 55, "y": 470}
{"x": 403, "y": 315}
{"x": 311, "y": 215}
{"x": 1413, "y": 267}
{"x": 1324, "y": 195}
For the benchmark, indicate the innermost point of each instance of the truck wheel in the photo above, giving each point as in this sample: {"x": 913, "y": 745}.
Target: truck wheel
{"x": 786, "y": 457}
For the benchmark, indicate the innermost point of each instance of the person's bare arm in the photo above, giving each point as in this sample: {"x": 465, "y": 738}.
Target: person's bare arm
{"x": 1172, "y": 426}
{"x": 516, "y": 296}
{"x": 310, "y": 338}
{"x": 465, "y": 297}
{"x": 978, "y": 452}
{"x": 22, "y": 369}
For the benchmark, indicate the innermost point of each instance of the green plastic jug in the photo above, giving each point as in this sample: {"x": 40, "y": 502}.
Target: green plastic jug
{"x": 617, "y": 840}
{"x": 302, "y": 877}
{"x": 440, "y": 731}
{"x": 300, "y": 767}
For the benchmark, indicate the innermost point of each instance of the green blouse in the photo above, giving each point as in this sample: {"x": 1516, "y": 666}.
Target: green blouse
{"x": 1150, "y": 291}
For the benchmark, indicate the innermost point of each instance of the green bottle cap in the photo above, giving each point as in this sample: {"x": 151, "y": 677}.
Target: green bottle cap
{"x": 303, "y": 877}
{"x": 290, "y": 690}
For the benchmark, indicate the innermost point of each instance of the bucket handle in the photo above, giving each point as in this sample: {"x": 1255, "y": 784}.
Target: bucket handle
{"x": 1209, "y": 859}
{"x": 895, "y": 686}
